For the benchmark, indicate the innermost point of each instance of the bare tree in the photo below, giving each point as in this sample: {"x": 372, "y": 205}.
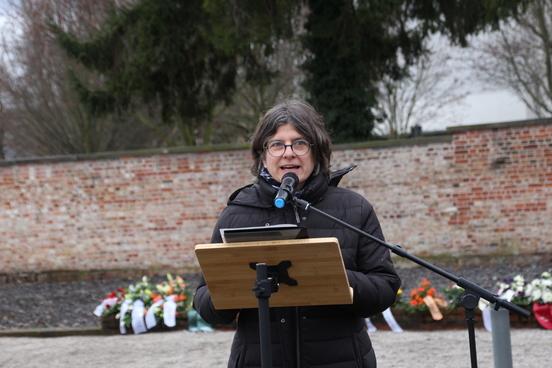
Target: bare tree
{"x": 519, "y": 57}
{"x": 43, "y": 114}
{"x": 422, "y": 95}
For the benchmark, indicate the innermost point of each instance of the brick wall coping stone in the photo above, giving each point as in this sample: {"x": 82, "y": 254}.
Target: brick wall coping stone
{"x": 504, "y": 125}
{"x": 424, "y": 139}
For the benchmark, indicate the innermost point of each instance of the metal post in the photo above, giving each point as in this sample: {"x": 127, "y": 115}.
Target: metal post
{"x": 502, "y": 345}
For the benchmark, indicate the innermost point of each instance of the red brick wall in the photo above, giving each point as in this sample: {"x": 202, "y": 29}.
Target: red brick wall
{"x": 476, "y": 191}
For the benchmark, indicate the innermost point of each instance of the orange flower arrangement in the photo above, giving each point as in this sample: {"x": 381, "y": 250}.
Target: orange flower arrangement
{"x": 418, "y": 294}
{"x": 425, "y": 298}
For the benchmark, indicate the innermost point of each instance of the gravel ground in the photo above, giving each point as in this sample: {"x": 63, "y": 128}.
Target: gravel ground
{"x": 183, "y": 349}
{"x": 70, "y": 304}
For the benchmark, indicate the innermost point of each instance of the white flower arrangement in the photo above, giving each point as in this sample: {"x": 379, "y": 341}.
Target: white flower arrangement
{"x": 518, "y": 291}
{"x": 540, "y": 290}
{"x": 143, "y": 305}
{"x": 514, "y": 291}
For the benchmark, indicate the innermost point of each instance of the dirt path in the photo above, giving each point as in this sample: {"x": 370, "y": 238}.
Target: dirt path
{"x": 532, "y": 348}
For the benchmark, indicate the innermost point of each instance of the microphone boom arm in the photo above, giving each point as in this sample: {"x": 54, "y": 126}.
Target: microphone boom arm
{"x": 398, "y": 250}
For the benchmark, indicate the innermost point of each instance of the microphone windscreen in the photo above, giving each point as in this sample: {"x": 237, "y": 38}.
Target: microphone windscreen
{"x": 290, "y": 179}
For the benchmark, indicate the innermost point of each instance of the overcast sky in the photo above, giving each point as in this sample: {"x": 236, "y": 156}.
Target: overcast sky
{"x": 479, "y": 107}
{"x": 484, "y": 103}
{"x": 482, "y": 107}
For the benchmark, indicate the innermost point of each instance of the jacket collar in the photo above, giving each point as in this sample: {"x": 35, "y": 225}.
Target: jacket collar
{"x": 261, "y": 193}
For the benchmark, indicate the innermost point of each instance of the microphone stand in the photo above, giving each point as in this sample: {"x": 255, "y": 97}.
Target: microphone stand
{"x": 469, "y": 299}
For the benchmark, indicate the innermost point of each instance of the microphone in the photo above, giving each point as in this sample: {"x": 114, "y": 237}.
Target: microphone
{"x": 289, "y": 182}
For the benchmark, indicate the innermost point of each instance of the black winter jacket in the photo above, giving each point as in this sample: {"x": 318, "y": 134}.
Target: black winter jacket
{"x": 319, "y": 337}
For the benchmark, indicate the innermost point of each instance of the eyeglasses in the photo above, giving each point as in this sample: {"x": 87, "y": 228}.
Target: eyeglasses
{"x": 277, "y": 148}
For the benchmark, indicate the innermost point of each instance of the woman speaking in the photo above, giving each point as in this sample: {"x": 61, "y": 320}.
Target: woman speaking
{"x": 291, "y": 138}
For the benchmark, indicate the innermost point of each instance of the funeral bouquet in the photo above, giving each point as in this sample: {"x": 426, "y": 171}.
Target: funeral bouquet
{"x": 143, "y": 305}
{"x": 424, "y": 298}
{"x": 539, "y": 290}
{"x": 536, "y": 294}
{"x": 514, "y": 290}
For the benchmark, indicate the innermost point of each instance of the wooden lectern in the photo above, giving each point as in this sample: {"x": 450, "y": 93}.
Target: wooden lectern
{"x": 297, "y": 272}
{"x": 316, "y": 265}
